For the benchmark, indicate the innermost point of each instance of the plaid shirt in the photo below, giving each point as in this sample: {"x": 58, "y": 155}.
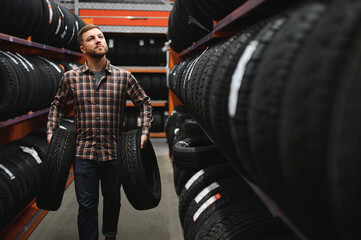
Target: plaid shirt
{"x": 99, "y": 110}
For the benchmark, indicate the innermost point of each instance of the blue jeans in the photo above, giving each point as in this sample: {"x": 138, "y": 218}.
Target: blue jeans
{"x": 87, "y": 174}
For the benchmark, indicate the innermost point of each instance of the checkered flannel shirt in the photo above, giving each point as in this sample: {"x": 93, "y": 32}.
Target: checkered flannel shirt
{"x": 99, "y": 110}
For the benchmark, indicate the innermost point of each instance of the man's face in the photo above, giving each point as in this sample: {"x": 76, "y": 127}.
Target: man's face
{"x": 94, "y": 43}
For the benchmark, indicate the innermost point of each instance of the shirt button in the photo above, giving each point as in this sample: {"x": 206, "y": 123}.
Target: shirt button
{"x": 98, "y": 118}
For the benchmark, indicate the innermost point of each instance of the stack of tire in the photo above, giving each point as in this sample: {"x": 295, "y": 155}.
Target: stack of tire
{"x": 190, "y": 20}
{"x": 136, "y": 51}
{"x": 55, "y": 169}
{"x": 21, "y": 168}
{"x": 281, "y": 100}
{"x": 44, "y": 20}
{"x": 28, "y": 83}
{"x": 214, "y": 200}
{"x": 132, "y": 120}
{"x": 153, "y": 84}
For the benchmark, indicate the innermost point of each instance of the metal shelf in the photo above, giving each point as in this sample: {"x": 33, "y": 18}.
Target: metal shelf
{"x": 26, "y": 117}
{"x": 24, "y": 42}
{"x": 124, "y": 6}
{"x": 157, "y": 135}
{"x": 218, "y": 29}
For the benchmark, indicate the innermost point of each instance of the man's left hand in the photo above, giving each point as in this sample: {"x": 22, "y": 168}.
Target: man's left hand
{"x": 143, "y": 141}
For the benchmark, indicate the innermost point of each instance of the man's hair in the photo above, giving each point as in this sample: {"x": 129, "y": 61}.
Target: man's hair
{"x": 83, "y": 30}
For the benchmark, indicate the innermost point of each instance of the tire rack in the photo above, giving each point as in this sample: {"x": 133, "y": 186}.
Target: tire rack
{"x": 135, "y": 18}
{"x": 27, "y": 220}
{"x": 225, "y": 28}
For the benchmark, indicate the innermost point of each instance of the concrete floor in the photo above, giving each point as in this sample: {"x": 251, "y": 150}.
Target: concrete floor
{"x": 161, "y": 223}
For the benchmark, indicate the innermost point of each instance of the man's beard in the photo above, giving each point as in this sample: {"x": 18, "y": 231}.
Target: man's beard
{"x": 94, "y": 54}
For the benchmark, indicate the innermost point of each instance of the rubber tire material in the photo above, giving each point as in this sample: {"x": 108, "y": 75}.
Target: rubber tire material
{"x": 139, "y": 171}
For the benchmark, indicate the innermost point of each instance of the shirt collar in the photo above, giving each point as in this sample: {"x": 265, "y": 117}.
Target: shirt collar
{"x": 85, "y": 67}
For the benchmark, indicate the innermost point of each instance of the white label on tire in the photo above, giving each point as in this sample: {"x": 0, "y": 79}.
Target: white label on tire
{"x": 204, "y": 206}
{"x": 205, "y": 191}
{"x": 238, "y": 76}
{"x": 62, "y": 127}
{"x": 7, "y": 172}
{"x": 194, "y": 178}
{"x": 32, "y": 152}
{"x": 111, "y": 43}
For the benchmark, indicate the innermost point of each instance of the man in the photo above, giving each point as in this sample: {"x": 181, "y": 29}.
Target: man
{"x": 98, "y": 89}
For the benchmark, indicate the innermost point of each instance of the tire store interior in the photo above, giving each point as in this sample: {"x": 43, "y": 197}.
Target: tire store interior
{"x": 255, "y": 129}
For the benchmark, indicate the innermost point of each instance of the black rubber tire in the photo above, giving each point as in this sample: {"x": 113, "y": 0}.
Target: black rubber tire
{"x": 39, "y": 84}
{"x": 196, "y": 84}
{"x": 307, "y": 109}
{"x": 6, "y": 200}
{"x": 267, "y": 95}
{"x": 16, "y": 187}
{"x": 183, "y": 178}
{"x": 199, "y": 181}
{"x": 229, "y": 190}
{"x": 243, "y": 221}
{"x": 192, "y": 154}
{"x": 177, "y": 33}
{"x": 45, "y": 84}
{"x": 224, "y": 64}
{"x": 157, "y": 124}
{"x": 9, "y": 89}
{"x": 344, "y": 152}
{"x": 240, "y": 97}
{"x": 55, "y": 78}
{"x": 28, "y": 179}
{"x": 24, "y": 91}
{"x": 179, "y": 74}
{"x": 30, "y": 76}
{"x": 39, "y": 144}
{"x": 121, "y": 48}
{"x": 48, "y": 23}
{"x": 184, "y": 80}
{"x": 215, "y": 11}
{"x": 33, "y": 171}
{"x": 139, "y": 171}
{"x": 112, "y": 49}
{"x": 27, "y": 82}
{"x": 196, "y": 17}
{"x": 40, "y": 133}
{"x": 55, "y": 169}
{"x": 176, "y": 173}
{"x": 156, "y": 87}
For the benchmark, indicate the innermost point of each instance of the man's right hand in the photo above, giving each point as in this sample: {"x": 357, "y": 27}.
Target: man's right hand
{"x": 48, "y": 137}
